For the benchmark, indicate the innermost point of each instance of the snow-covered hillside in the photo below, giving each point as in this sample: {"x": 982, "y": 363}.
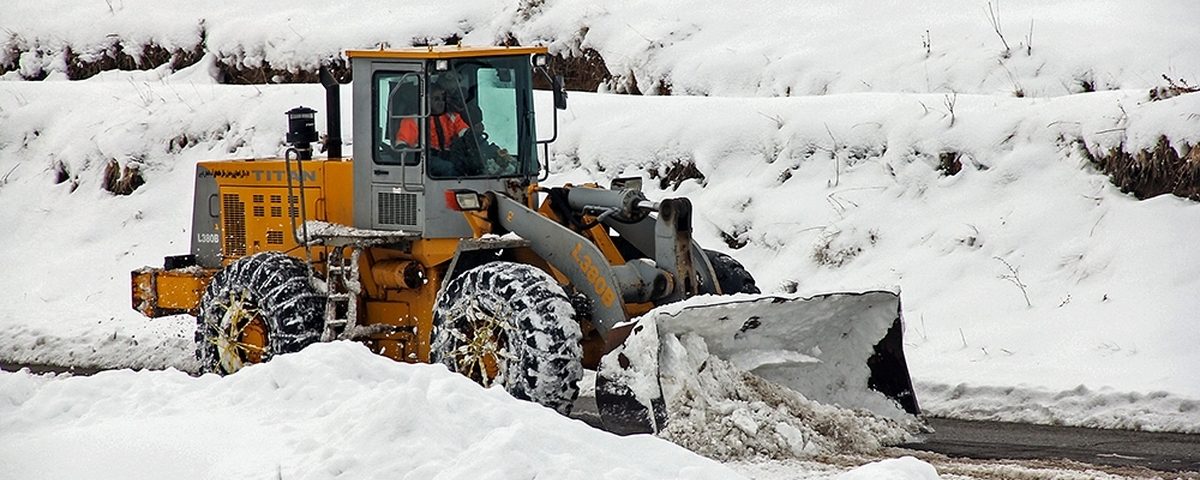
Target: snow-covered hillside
{"x": 747, "y": 48}
{"x": 836, "y": 152}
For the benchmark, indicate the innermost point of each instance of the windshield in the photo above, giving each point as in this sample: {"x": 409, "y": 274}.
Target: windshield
{"x": 474, "y": 124}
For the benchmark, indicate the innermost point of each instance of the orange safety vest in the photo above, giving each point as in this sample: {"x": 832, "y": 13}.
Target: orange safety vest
{"x": 452, "y": 125}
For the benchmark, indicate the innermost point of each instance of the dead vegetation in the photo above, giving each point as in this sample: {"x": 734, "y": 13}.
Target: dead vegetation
{"x": 1149, "y": 173}
{"x": 675, "y": 174}
{"x": 583, "y": 69}
{"x": 949, "y": 163}
{"x": 827, "y": 252}
{"x": 120, "y": 180}
{"x": 1172, "y": 89}
{"x": 233, "y": 71}
{"x": 584, "y": 72}
{"x": 735, "y": 239}
{"x": 116, "y": 57}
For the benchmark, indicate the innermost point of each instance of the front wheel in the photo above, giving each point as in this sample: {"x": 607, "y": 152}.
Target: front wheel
{"x": 731, "y": 275}
{"x": 511, "y": 325}
{"x": 257, "y": 307}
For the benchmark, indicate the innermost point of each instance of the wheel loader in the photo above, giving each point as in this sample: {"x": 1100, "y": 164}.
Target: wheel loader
{"x": 439, "y": 243}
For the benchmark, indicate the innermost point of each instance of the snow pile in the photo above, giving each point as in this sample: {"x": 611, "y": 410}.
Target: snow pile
{"x": 726, "y": 413}
{"x": 903, "y": 468}
{"x": 332, "y": 411}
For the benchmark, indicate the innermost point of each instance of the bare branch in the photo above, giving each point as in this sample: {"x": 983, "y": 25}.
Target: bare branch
{"x": 1029, "y": 40}
{"x": 994, "y": 19}
{"x": 950, "y": 101}
{"x": 1014, "y": 277}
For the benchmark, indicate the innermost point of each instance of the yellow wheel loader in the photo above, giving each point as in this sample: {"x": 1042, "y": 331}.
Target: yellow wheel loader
{"x": 437, "y": 243}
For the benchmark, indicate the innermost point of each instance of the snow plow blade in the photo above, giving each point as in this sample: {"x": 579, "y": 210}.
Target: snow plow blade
{"x": 841, "y": 348}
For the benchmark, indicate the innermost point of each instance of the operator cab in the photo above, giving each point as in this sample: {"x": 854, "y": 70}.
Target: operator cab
{"x": 440, "y": 118}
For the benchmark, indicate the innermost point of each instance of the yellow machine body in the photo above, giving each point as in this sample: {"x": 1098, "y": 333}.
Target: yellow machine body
{"x": 399, "y": 284}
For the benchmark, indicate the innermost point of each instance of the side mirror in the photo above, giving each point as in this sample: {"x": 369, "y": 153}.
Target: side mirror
{"x": 560, "y": 95}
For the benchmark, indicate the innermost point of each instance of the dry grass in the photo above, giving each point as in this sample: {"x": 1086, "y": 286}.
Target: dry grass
{"x": 1172, "y": 89}
{"x": 675, "y": 174}
{"x": 1149, "y": 173}
{"x": 949, "y": 163}
{"x": 122, "y": 181}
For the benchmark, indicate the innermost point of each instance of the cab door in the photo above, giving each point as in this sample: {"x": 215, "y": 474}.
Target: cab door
{"x": 388, "y": 174}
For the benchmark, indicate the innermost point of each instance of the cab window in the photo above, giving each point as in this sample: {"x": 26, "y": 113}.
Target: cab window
{"x": 397, "y": 101}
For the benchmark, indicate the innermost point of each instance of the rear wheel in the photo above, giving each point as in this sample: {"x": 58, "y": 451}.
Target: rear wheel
{"x": 731, "y": 275}
{"x": 257, "y": 307}
{"x": 512, "y": 325}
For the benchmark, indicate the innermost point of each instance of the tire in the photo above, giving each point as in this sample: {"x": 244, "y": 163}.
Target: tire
{"x": 512, "y": 325}
{"x": 731, "y": 275}
{"x": 257, "y": 307}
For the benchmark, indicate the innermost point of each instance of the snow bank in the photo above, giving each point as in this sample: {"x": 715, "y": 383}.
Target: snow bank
{"x": 1081, "y": 406}
{"x": 903, "y": 468}
{"x": 333, "y": 410}
{"x": 756, "y": 48}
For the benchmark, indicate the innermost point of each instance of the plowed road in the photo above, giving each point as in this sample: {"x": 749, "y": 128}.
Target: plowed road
{"x": 1171, "y": 452}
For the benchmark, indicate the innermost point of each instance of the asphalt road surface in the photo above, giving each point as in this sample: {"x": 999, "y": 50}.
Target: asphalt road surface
{"x": 984, "y": 440}
{"x": 1171, "y": 452}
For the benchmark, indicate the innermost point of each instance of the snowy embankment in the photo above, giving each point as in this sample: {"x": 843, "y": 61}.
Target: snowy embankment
{"x": 763, "y": 48}
{"x": 825, "y": 193}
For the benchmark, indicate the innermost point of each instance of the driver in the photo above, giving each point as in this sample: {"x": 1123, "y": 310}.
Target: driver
{"x": 445, "y": 129}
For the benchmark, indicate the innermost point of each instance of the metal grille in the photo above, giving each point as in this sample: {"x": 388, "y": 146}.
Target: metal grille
{"x": 260, "y": 211}
{"x": 233, "y": 212}
{"x": 276, "y": 198}
{"x": 397, "y": 208}
{"x": 258, "y": 199}
{"x": 293, "y": 206}
{"x": 276, "y": 211}
{"x": 274, "y": 237}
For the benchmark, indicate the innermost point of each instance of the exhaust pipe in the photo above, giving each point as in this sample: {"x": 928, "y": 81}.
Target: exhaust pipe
{"x": 333, "y": 112}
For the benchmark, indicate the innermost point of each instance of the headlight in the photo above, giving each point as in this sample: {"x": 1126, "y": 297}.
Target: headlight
{"x": 463, "y": 200}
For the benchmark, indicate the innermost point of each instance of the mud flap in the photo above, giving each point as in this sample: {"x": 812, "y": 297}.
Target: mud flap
{"x": 841, "y": 348}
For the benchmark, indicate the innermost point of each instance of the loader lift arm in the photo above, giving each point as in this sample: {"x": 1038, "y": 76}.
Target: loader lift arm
{"x": 670, "y": 277}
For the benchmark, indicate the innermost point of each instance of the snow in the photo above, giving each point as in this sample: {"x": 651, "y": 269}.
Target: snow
{"x": 903, "y": 468}
{"x": 336, "y": 410}
{"x": 1032, "y": 289}
{"x": 723, "y": 412}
